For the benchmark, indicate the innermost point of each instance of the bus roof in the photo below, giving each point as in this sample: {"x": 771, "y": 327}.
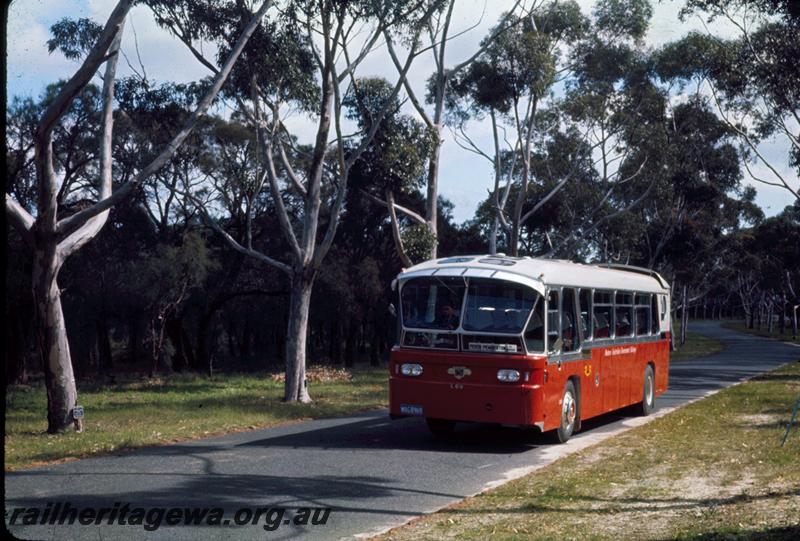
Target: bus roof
{"x": 541, "y": 273}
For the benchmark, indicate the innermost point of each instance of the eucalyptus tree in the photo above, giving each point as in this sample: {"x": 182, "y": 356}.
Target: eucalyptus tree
{"x": 697, "y": 204}
{"x": 610, "y": 100}
{"x": 752, "y": 79}
{"x": 149, "y": 115}
{"x": 305, "y": 59}
{"x": 394, "y": 162}
{"x": 439, "y": 34}
{"x": 558, "y": 75}
{"x": 52, "y": 237}
{"x": 511, "y": 81}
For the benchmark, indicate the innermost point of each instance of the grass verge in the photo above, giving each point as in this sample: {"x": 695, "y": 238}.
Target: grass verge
{"x": 741, "y": 327}
{"x": 714, "y": 469}
{"x": 138, "y": 412}
{"x": 697, "y": 345}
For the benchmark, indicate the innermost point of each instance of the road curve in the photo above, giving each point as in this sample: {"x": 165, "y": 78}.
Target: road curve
{"x": 374, "y": 473}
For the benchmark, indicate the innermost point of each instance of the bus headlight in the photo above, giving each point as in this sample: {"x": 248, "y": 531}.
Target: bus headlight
{"x": 508, "y": 376}
{"x": 411, "y": 369}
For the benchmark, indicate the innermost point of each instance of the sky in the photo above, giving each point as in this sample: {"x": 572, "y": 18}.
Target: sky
{"x": 465, "y": 178}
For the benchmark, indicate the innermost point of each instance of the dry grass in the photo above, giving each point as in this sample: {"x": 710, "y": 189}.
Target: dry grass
{"x": 136, "y": 412}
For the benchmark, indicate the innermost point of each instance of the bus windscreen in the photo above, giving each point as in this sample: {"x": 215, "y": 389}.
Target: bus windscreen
{"x": 495, "y": 306}
{"x": 433, "y": 303}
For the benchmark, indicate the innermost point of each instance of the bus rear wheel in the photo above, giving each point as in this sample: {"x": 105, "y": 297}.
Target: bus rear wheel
{"x": 440, "y": 427}
{"x": 569, "y": 413}
{"x": 648, "y": 392}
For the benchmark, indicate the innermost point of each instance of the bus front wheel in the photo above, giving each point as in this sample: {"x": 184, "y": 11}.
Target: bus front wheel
{"x": 648, "y": 392}
{"x": 569, "y": 413}
{"x": 440, "y": 427}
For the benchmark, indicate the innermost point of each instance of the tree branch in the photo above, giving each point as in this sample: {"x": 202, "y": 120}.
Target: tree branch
{"x": 398, "y": 239}
{"x": 92, "y": 227}
{"x": 96, "y": 56}
{"x": 20, "y": 219}
{"x": 408, "y": 212}
{"x": 70, "y": 224}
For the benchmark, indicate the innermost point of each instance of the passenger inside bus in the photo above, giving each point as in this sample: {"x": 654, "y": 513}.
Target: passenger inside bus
{"x": 623, "y": 322}
{"x": 602, "y": 325}
{"x": 448, "y": 317}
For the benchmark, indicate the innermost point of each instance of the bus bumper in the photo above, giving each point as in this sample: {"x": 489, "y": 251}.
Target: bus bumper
{"x": 512, "y": 404}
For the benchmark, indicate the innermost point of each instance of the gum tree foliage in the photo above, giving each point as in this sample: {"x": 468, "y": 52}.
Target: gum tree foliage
{"x": 50, "y": 235}
{"x": 313, "y": 49}
{"x": 74, "y": 144}
{"x": 439, "y": 32}
{"x": 563, "y": 78}
{"x": 149, "y": 115}
{"x": 752, "y": 78}
{"x": 697, "y": 203}
{"x": 164, "y": 280}
{"x": 511, "y": 82}
{"x": 393, "y": 165}
{"x": 761, "y": 274}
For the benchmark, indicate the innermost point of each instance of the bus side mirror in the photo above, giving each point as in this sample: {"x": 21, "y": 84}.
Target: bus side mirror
{"x": 392, "y": 310}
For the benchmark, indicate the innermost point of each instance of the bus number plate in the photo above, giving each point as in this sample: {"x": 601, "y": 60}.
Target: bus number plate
{"x": 410, "y": 409}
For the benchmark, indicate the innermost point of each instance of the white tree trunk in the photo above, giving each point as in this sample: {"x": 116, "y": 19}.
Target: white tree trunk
{"x": 62, "y": 394}
{"x": 432, "y": 201}
{"x": 493, "y": 236}
{"x": 295, "y": 389}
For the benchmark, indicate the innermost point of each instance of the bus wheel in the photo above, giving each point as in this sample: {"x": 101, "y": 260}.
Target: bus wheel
{"x": 569, "y": 413}
{"x": 648, "y": 392}
{"x": 440, "y": 427}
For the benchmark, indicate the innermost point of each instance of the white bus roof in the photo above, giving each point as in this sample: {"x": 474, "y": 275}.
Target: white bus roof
{"x": 541, "y": 273}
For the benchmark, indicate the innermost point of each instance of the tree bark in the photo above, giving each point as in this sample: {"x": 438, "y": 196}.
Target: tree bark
{"x": 295, "y": 388}
{"x": 62, "y": 394}
{"x": 432, "y": 202}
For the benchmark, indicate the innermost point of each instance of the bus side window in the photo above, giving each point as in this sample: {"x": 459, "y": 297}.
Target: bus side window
{"x": 602, "y": 314}
{"x": 642, "y": 313}
{"x": 553, "y": 327}
{"x": 624, "y": 314}
{"x": 569, "y": 330}
{"x": 585, "y": 311}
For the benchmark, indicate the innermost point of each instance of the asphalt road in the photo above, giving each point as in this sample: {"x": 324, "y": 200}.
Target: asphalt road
{"x": 372, "y": 472}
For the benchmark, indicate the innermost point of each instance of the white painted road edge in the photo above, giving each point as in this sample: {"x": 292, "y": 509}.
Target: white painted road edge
{"x": 554, "y": 452}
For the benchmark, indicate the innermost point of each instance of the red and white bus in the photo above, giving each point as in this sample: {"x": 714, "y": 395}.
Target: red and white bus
{"x": 529, "y": 342}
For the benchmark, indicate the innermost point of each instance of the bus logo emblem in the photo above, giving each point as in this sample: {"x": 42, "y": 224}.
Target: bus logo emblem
{"x": 459, "y": 371}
